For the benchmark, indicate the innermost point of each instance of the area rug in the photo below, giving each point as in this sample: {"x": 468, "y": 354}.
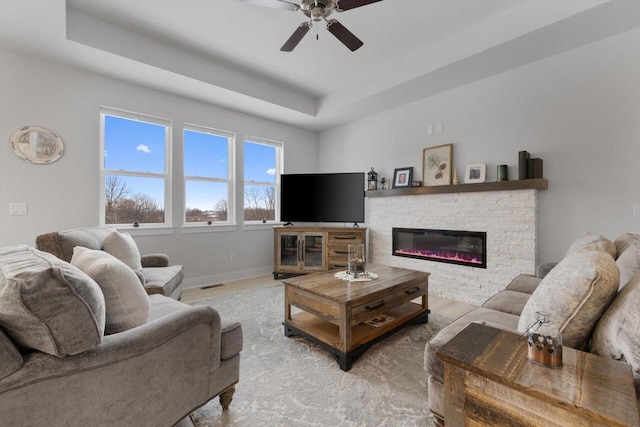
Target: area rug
{"x": 293, "y": 382}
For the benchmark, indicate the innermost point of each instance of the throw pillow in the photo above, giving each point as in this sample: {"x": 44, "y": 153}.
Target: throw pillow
{"x": 576, "y": 293}
{"x": 47, "y": 304}
{"x": 126, "y": 301}
{"x": 625, "y": 240}
{"x": 123, "y": 247}
{"x": 629, "y": 263}
{"x": 594, "y": 242}
{"x": 616, "y": 334}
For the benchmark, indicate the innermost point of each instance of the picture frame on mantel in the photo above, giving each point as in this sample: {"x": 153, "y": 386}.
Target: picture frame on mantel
{"x": 402, "y": 177}
{"x": 475, "y": 173}
{"x": 437, "y": 165}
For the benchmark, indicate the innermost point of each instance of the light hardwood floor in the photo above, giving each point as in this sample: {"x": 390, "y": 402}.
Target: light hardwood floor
{"x": 442, "y": 306}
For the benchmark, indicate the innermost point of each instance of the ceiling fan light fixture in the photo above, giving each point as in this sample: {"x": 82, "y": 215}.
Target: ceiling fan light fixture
{"x": 316, "y": 11}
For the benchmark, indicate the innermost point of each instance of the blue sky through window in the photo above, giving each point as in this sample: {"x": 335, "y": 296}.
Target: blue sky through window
{"x": 137, "y": 146}
{"x": 259, "y": 162}
{"x": 132, "y": 145}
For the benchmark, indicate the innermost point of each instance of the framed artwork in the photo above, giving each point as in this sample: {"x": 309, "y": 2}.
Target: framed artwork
{"x": 402, "y": 177}
{"x": 436, "y": 165}
{"x": 475, "y": 173}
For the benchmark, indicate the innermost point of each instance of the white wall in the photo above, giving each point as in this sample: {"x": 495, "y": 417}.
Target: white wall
{"x": 579, "y": 112}
{"x": 65, "y": 194}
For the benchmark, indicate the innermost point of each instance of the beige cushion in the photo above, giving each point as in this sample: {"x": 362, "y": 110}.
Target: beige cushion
{"x": 617, "y": 334}
{"x": 629, "y": 263}
{"x": 576, "y": 293}
{"x": 47, "y": 304}
{"x": 624, "y": 241}
{"x": 123, "y": 247}
{"x": 508, "y": 301}
{"x": 126, "y": 302}
{"x": 593, "y": 241}
{"x": 525, "y": 283}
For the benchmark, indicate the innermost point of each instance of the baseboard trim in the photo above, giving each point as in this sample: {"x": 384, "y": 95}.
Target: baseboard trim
{"x": 197, "y": 282}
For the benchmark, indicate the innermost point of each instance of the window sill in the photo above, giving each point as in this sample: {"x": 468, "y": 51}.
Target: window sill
{"x": 205, "y": 228}
{"x": 255, "y": 226}
{"x": 147, "y": 230}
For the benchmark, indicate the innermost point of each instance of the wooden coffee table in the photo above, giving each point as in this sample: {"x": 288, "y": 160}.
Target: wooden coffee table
{"x": 334, "y": 311}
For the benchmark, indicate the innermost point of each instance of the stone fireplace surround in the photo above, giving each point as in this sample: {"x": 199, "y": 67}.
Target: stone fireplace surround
{"x": 508, "y": 217}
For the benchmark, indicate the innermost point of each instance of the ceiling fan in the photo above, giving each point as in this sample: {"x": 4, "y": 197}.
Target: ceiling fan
{"x": 318, "y": 10}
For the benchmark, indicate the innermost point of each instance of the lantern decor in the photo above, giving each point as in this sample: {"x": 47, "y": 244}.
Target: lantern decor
{"x": 372, "y": 180}
{"x": 544, "y": 342}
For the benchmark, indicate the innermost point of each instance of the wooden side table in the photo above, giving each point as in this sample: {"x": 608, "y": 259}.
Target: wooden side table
{"x": 489, "y": 381}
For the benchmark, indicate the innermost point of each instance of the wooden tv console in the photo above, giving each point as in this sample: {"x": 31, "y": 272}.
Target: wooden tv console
{"x": 302, "y": 250}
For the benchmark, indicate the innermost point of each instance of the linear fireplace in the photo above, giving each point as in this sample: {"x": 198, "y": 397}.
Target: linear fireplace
{"x": 454, "y": 247}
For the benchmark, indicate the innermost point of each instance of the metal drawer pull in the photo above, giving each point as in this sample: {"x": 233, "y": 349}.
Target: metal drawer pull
{"x": 345, "y": 238}
{"x": 342, "y": 252}
{"x": 375, "y": 307}
{"x": 413, "y": 291}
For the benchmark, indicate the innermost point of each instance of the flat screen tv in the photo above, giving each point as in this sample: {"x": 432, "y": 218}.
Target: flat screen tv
{"x": 322, "y": 197}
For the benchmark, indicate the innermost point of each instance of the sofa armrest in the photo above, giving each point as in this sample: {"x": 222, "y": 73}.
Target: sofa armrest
{"x": 544, "y": 269}
{"x": 154, "y": 260}
{"x": 169, "y": 361}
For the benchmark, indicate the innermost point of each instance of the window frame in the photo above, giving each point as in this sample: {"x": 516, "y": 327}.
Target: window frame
{"x": 279, "y": 147}
{"x": 231, "y": 168}
{"x": 166, "y": 176}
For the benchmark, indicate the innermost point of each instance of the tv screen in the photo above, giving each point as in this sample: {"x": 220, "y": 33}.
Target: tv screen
{"x": 324, "y": 197}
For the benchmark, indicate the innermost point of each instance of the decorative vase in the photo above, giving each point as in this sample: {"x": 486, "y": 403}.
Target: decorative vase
{"x": 544, "y": 342}
{"x": 503, "y": 173}
{"x": 356, "y": 261}
{"x": 456, "y": 178}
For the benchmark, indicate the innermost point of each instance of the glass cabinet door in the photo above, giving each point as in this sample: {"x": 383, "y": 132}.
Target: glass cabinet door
{"x": 313, "y": 251}
{"x": 288, "y": 250}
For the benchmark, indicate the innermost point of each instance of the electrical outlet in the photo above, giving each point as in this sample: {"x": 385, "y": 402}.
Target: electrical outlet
{"x": 232, "y": 256}
{"x": 17, "y": 208}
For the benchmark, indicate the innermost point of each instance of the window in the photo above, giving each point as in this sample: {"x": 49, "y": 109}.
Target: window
{"x": 262, "y": 169}
{"x": 135, "y": 172}
{"x": 208, "y": 175}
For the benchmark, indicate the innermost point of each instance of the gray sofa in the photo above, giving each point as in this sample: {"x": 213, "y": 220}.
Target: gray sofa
{"x": 157, "y": 275}
{"x": 59, "y": 368}
{"x": 593, "y": 296}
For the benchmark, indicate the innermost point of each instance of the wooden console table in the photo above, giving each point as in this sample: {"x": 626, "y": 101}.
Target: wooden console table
{"x": 489, "y": 381}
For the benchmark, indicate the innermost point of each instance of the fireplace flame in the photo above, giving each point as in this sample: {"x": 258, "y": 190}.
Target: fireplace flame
{"x": 449, "y": 256}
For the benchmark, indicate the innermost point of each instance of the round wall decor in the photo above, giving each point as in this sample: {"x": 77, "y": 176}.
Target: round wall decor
{"x": 36, "y": 145}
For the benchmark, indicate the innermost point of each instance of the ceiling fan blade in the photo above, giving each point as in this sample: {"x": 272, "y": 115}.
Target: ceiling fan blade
{"x": 277, "y": 4}
{"x": 295, "y": 38}
{"x": 352, "y": 4}
{"x": 345, "y": 36}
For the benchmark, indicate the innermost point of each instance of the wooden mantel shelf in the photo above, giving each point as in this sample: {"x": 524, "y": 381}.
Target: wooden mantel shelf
{"x": 523, "y": 184}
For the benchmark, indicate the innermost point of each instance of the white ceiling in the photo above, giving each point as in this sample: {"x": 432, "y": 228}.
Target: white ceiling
{"x": 226, "y": 52}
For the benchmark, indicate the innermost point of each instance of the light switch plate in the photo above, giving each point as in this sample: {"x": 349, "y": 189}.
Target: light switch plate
{"x": 439, "y": 127}
{"x": 17, "y": 208}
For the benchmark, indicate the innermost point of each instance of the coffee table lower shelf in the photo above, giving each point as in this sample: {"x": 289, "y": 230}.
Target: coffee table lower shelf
{"x": 363, "y": 336}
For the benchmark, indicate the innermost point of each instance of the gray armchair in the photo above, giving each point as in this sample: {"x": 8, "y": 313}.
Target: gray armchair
{"x": 157, "y": 275}
{"x": 154, "y": 374}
